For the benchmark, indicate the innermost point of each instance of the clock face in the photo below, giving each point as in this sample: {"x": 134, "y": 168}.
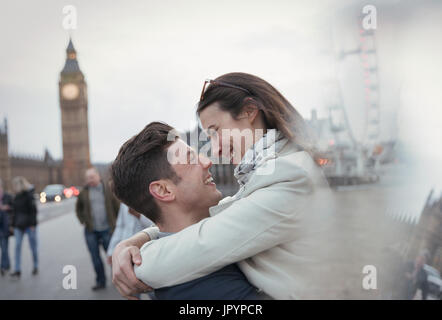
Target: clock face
{"x": 70, "y": 91}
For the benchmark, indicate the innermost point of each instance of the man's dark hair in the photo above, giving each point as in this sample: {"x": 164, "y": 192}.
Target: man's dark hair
{"x": 141, "y": 160}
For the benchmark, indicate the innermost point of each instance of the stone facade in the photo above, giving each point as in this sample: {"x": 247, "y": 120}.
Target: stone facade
{"x": 74, "y": 120}
{"x": 427, "y": 235}
{"x": 5, "y": 166}
{"x": 38, "y": 171}
{"x": 41, "y": 171}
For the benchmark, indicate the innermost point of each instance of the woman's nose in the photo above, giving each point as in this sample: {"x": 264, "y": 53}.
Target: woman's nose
{"x": 216, "y": 147}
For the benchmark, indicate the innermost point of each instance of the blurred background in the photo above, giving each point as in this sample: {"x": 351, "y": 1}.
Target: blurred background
{"x": 79, "y": 78}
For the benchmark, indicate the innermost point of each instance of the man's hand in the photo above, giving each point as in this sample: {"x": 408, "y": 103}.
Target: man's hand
{"x": 123, "y": 259}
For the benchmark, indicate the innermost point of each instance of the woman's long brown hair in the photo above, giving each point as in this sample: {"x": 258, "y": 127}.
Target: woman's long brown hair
{"x": 277, "y": 111}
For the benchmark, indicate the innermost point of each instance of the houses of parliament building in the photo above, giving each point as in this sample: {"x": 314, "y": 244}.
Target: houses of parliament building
{"x": 75, "y": 135}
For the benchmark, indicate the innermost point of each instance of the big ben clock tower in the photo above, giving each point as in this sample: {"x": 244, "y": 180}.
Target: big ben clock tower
{"x": 74, "y": 120}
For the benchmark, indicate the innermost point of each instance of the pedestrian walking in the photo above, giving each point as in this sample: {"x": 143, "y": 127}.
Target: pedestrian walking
{"x": 97, "y": 209}
{"x": 5, "y": 213}
{"x": 24, "y": 220}
{"x": 417, "y": 277}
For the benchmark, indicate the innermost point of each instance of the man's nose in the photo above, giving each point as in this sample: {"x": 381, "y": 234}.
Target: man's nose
{"x": 205, "y": 162}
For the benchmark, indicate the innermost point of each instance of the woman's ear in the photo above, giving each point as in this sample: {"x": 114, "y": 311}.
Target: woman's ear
{"x": 161, "y": 191}
{"x": 250, "y": 112}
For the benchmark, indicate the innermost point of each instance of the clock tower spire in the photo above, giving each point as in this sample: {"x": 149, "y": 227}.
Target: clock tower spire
{"x": 74, "y": 119}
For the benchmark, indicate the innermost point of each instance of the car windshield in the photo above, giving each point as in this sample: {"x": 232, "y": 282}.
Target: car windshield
{"x": 53, "y": 189}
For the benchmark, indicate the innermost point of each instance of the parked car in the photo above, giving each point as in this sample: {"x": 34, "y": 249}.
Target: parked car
{"x": 52, "y": 192}
{"x": 434, "y": 282}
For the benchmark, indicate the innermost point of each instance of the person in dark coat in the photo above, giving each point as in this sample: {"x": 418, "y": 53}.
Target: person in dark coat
{"x": 5, "y": 212}
{"x": 416, "y": 278}
{"x": 97, "y": 210}
{"x": 24, "y": 222}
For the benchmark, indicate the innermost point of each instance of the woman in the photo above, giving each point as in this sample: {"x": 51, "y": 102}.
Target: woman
{"x": 273, "y": 227}
{"x": 5, "y": 209}
{"x": 129, "y": 222}
{"x": 24, "y": 221}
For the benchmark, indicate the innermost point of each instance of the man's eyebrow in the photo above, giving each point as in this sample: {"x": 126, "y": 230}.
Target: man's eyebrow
{"x": 209, "y": 127}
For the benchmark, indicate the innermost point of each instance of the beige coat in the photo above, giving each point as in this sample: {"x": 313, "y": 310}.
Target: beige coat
{"x": 275, "y": 229}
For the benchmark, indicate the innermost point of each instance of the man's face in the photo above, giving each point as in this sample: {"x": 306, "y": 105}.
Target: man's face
{"x": 92, "y": 178}
{"x": 195, "y": 190}
{"x": 420, "y": 261}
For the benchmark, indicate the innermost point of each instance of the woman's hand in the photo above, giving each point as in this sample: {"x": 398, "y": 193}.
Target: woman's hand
{"x": 126, "y": 254}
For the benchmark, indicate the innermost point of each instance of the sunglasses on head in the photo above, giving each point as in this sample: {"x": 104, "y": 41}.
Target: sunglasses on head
{"x": 221, "y": 84}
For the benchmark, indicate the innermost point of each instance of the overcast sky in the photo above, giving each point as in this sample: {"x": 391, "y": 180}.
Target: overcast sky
{"x": 147, "y": 60}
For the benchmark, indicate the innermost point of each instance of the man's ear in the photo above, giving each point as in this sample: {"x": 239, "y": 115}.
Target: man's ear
{"x": 161, "y": 191}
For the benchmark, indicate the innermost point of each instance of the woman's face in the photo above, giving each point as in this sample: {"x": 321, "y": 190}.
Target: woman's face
{"x": 229, "y": 137}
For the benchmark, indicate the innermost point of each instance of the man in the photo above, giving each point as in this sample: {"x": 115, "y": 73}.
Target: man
{"x": 97, "y": 210}
{"x": 174, "y": 196}
{"x": 5, "y": 213}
